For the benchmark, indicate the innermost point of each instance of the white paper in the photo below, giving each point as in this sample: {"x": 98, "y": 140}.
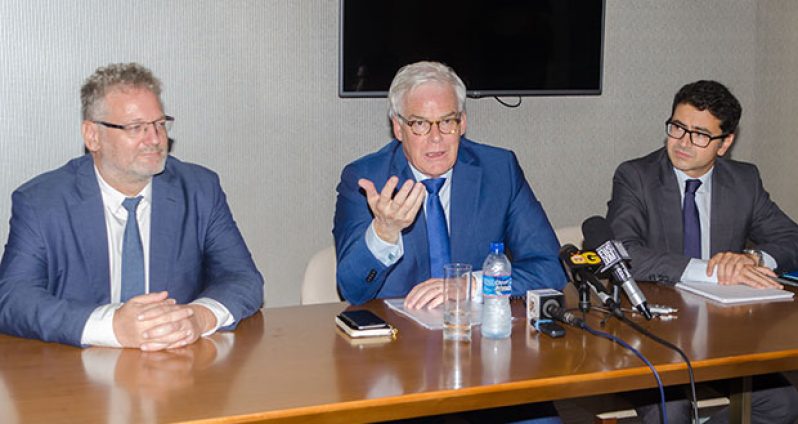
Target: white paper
{"x": 735, "y": 293}
{"x": 431, "y": 319}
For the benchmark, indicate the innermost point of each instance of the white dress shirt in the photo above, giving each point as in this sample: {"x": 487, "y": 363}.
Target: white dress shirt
{"x": 696, "y": 270}
{"x": 99, "y": 330}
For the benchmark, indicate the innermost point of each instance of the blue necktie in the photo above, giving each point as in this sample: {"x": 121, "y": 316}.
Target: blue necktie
{"x": 437, "y": 232}
{"x": 692, "y": 226}
{"x": 132, "y": 253}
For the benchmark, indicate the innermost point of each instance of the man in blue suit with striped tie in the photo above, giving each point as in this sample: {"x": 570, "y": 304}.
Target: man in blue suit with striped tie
{"x": 126, "y": 246}
{"x": 432, "y": 196}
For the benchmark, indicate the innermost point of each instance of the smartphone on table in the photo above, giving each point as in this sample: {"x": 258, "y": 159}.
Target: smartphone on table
{"x": 363, "y": 323}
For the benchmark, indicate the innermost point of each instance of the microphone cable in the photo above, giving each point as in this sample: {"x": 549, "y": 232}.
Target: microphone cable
{"x": 574, "y": 321}
{"x": 694, "y": 400}
{"x": 613, "y": 309}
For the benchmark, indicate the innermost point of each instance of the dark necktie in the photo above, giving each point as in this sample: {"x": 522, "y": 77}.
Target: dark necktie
{"x": 437, "y": 232}
{"x": 692, "y": 226}
{"x": 132, "y": 253}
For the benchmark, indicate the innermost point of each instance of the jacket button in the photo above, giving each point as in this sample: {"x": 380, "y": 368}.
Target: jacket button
{"x": 370, "y": 277}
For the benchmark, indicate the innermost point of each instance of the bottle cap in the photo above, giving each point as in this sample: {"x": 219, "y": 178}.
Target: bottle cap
{"x": 497, "y": 247}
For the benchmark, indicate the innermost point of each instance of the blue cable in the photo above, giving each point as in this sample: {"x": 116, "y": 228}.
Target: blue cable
{"x": 609, "y": 336}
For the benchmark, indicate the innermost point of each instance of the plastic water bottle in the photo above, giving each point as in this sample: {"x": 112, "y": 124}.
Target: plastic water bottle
{"x": 496, "y": 288}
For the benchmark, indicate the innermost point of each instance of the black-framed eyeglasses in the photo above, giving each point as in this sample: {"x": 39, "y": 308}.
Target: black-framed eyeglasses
{"x": 423, "y": 127}
{"x": 700, "y": 139}
{"x": 137, "y": 129}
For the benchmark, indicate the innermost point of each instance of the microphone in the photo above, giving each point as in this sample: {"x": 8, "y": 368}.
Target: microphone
{"x": 581, "y": 267}
{"x": 575, "y": 259}
{"x": 602, "y": 293}
{"x": 599, "y": 237}
{"x": 556, "y": 312}
{"x": 576, "y": 264}
{"x": 538, "y": 304}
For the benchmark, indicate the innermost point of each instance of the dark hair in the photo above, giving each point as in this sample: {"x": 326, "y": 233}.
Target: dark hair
{"x": 712, "y": 96}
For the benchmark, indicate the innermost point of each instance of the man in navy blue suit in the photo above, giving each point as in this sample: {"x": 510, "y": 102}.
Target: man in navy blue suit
{"x": 382, "y": 223}
{"x": 126, "y": 246}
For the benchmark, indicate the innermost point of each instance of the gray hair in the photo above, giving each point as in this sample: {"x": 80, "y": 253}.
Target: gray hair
{"x": 115, "y": 75}
{"x": 419, "y": 73}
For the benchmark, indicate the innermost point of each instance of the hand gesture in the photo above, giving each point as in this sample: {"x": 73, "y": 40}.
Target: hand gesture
{"x": 393, "y": 214}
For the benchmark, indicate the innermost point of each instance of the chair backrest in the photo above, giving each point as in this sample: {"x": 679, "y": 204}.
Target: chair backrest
{"x": 319, "y": 284}
{"x": 570, "y": 235}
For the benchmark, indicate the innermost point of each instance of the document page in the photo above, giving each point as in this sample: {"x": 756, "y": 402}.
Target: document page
{"x": 736, "y": 293}
{"x": 431, "y": 319}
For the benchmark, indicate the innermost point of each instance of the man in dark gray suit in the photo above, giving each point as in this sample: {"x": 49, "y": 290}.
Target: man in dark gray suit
{"x": 686, "y": 213}
{"x": 645, "y": 211}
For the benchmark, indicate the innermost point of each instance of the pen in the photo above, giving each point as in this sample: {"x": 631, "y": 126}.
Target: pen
{"x": 787, "y": 282}
{"x": 662, "y": 310}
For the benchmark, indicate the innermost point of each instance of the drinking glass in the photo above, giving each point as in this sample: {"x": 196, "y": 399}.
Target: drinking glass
{"x": 457, "y": 302}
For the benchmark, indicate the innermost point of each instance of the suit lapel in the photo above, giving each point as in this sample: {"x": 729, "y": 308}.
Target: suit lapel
{"x": 669, "y": 199}
{"x": 463, "y": 205}
{"x": 87, "y": 217}
{"x": 416, "y": 248}
{"x": 167, "y": 208}
{"x": 722, "y": 203}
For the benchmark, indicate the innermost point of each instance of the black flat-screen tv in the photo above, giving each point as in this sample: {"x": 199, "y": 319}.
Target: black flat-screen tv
{"x": 498, "y": 47}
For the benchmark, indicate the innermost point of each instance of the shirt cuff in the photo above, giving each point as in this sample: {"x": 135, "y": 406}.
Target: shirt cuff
{"x": 222, "y": 314}
{"x": 696, "y": 270}
{"x": 769, "y": 261}
{"x": 385, "y": 252}
{"x": 99, "y": 328}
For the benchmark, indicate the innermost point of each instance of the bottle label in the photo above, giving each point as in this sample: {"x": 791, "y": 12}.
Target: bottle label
{"x": 496, "y": 285}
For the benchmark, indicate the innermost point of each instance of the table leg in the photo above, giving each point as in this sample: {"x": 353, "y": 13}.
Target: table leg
{"x": 740, "y": 400}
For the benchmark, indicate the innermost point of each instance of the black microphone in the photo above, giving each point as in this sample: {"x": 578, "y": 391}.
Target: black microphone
{"x": 581, "y": 267}
{"x": 576, "y": 260}
{"x": 599, "y": 237}
{"x": 576, "y": 264}
{"x": 599, "y": 290}
{"x": 555, "y": 311}
{"x": 566, "y": 252}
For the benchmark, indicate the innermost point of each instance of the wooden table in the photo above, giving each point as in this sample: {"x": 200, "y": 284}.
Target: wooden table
{"x": 291, "y": 364}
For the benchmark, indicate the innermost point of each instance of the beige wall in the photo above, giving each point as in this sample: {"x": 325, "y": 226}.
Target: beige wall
{"x": 253, "y": 85}
{"x": 775, "y": 108}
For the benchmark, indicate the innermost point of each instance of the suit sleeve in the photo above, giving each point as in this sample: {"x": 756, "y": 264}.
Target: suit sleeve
{"x": 530, "y": 238}
{"x": 628, "y": 216}
{"x": 28, "y": 306}
{"x": 229, "y": 273}
{"x": 772, "y": 230}
{"x": 360, "y": 275}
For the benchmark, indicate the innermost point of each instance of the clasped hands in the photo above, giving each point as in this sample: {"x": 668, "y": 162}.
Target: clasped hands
{"x": 740, "y": 268}
{"x": 392, "y": 214}
{"x": 153, "y": 322}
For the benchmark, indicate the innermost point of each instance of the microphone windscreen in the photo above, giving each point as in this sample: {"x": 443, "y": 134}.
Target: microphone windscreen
{"x": 567, "y": 250}
{"x": 597, "y": 231}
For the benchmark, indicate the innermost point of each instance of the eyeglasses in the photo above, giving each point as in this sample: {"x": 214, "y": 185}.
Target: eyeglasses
{"x": 423, "y": 127}
{"x": 137, "y": 129}
{"x": 700, "y": 139}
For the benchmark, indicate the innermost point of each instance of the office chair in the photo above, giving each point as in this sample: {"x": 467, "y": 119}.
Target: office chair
{"x": 319, "y": 284}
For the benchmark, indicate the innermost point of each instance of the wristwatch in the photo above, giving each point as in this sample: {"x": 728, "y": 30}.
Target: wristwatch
{"x": 756, "y": 255}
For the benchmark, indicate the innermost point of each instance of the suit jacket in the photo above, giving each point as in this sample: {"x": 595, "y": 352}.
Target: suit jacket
{"x": 645, "y": 213}
{"x": 55, "y": 268}
{"x": 490, "y": 201}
